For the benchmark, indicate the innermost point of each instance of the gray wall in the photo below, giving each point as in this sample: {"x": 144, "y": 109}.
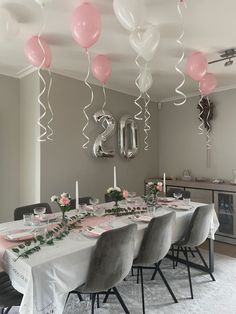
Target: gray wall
{"x": 29, "y": 146}
{"x": 63, "y": 161}
{"x": 182, "y": 148}
{"x": 9, "y": 143}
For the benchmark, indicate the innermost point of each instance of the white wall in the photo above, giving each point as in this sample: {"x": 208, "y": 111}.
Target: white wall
{"x": 64, "y": 161}
{"x": 29, "y": 146}
{"x": 9, "y": 143}
{"x": 181, "y": 147}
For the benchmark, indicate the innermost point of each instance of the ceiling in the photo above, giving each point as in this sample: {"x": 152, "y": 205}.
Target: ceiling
{"x": 209, "y": 27}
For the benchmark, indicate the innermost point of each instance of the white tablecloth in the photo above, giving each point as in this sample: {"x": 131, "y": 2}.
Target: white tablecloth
{"x": 47, "y": 276}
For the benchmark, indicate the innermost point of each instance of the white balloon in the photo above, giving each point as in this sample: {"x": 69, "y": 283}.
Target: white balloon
{"x": 145, "y": 80}
{"x": 145, "y": 41}
{"x": 42, "y": 3}
{"x": 130, "y": 13}
{"x": 9, "y": 27}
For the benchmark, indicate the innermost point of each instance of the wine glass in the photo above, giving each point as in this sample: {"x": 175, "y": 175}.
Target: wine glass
{"x": 177, "y": 195}
{"x": 40, "y": 211}
{"x": 99, "y": 211}
{"x": 94, "y": 202}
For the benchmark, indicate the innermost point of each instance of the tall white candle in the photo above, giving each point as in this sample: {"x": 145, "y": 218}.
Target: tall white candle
{"x": 76, "y": 195}
{"x": 115, "y": 177}
{"x": 164, "y": 183}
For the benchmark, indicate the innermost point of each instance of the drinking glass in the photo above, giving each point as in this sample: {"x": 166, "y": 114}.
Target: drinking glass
{"x": 94, "y": 202}
{"x": 40, "y": 211}
{"x": 177, "y": 195}
{"x": 99, "y": 211}
{"x": 28, "y": 219}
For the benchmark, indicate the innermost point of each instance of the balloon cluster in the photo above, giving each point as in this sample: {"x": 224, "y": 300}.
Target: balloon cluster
{"x": 144, "y": 39}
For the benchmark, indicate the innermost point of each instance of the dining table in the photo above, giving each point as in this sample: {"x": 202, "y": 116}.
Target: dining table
{"x": 46, "y": 277}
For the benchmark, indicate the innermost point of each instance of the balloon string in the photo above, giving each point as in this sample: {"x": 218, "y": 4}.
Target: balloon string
{"x": 42, "y": 106}
{"x": 200, "y": 127}
{"x": 208, "y": 143}
{"x": 147, "y": 116}
{"x": 136, "y": 116}
{"x": 50, "y": 135}
{"x": 179, "y": 41}
{"x": 88, "y": 105}
{"x": 104, "y": 104}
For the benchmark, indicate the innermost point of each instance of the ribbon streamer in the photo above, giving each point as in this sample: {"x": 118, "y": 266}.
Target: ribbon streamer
{"x": 43, "y": 107}
{"x": 201, "y": 131}
{"x": 147, "y": 116}
{"x": 179, "y": 41}
{"x": 208, "y": 143}
{"x": 89, "y": 104}
{"x": 136, "y": 116}
{"x": 50, "y": 135}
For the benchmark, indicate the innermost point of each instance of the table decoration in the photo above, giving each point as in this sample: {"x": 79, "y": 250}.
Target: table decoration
{"x": 64, "y": 203}
{"x": 114, "y": 193}
{"x": 58, "y": 232}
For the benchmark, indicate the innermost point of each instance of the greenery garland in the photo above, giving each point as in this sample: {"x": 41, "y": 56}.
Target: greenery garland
{"x": 59, "y": 232}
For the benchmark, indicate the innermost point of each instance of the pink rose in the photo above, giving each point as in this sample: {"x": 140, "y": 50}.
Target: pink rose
{"x": 159, "y": 186}
{"x": 64, "y": 201}
{"x": 125, "y": 193}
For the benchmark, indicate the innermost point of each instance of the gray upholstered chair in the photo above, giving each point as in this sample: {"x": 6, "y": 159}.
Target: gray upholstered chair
{"x": 20, "y": 211}
{"x": 154, "y": 247}
{"x": 196, "y": 234}
{"x": 82, "y": 200}
{"x": 8, "y": 295}
{"x": 110, "y": 264}
{"x": 171, "y": 191}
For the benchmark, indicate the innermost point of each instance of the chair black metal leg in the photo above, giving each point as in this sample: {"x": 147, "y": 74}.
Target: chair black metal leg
{"x": 106, "y": 296}
{"x": 132, "y": 271}
{"x": 205, "y": 264}
{"x": 173, "y": 255}
{"x": 98, "y": 305}
{"x": 155, "y": 272}
{"x": 167, "y": 285}
{"x": 121, "y": 301}
{"x": 177, "y": 257}
{"x": 137, "y": 275}
{"x": 185, "y": 251}
{"x": 142, "y": 290}
{"x": 93, "y": 296}
{"x": 190, "y": 250}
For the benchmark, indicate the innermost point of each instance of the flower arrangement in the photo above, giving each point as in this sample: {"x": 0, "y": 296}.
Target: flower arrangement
{"x": 153, "y": 188}
{"x": 63, "y": 201}
{"x": 115, "y": 194}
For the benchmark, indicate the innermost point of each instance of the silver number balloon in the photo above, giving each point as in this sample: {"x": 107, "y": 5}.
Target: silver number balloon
{"x": 128, "y": 137}
{"x": 108, "y": 122}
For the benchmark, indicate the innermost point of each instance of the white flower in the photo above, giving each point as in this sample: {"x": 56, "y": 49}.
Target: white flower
{"x": 159, "y": 183}
{"x": 109, "y": 190}
{"x": 150, "y": 183}
{"x": 54, "y": 198}
{"x": 117, "y": 189}
{"x": 64, "y": 194}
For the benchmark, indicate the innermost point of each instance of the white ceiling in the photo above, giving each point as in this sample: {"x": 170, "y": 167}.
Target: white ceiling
{"x": 209, "y": 26}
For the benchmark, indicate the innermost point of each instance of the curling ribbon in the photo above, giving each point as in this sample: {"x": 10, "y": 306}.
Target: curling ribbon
{"x": 200, "y": 116}
{"x": 88, "y": 105}
{"x": 179, "y": 41}
{"x": 208, "y": 143}
{"x": 50, "y": 135}
{"x": 136, "y": 116}
{"x": 147, "y": 116}
{"x": 44, "y": 110}
{"x": 104, "y": 104}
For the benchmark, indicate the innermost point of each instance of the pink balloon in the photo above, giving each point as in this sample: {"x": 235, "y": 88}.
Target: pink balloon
{"x": 86, "y": 24}
{"x": 37, "y": 55}
{"x": 208, "y": 84}
{"x": 197, "y": 65}
{"x": 101, "y": 68}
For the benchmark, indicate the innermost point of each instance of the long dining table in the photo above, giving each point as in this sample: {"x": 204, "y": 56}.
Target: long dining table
{"x": 46, "y": 277}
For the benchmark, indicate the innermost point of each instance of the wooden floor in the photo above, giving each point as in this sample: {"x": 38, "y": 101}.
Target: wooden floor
{"x": 223, "y": 248}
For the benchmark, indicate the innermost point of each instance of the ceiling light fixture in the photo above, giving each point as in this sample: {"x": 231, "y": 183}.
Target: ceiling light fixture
{"x": 227, "y": 54}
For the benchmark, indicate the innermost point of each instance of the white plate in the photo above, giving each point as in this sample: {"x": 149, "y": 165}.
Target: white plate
{"x": 19, "y": 235}
{"x": 47, "y": 217}
{"x": 146, "y": 219}
{"x": 166, "y": 199}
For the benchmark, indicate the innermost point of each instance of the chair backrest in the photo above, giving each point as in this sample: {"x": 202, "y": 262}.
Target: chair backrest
{"x": 112, "y": 259}
{"x": 20, "y": 211}
{"x": 199, "y": 227}
{"x": 156, "y": 240}
{"x": 171, "y": 191}
{"x": 8, "y": 295}
{"x": 82, "y": 200}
